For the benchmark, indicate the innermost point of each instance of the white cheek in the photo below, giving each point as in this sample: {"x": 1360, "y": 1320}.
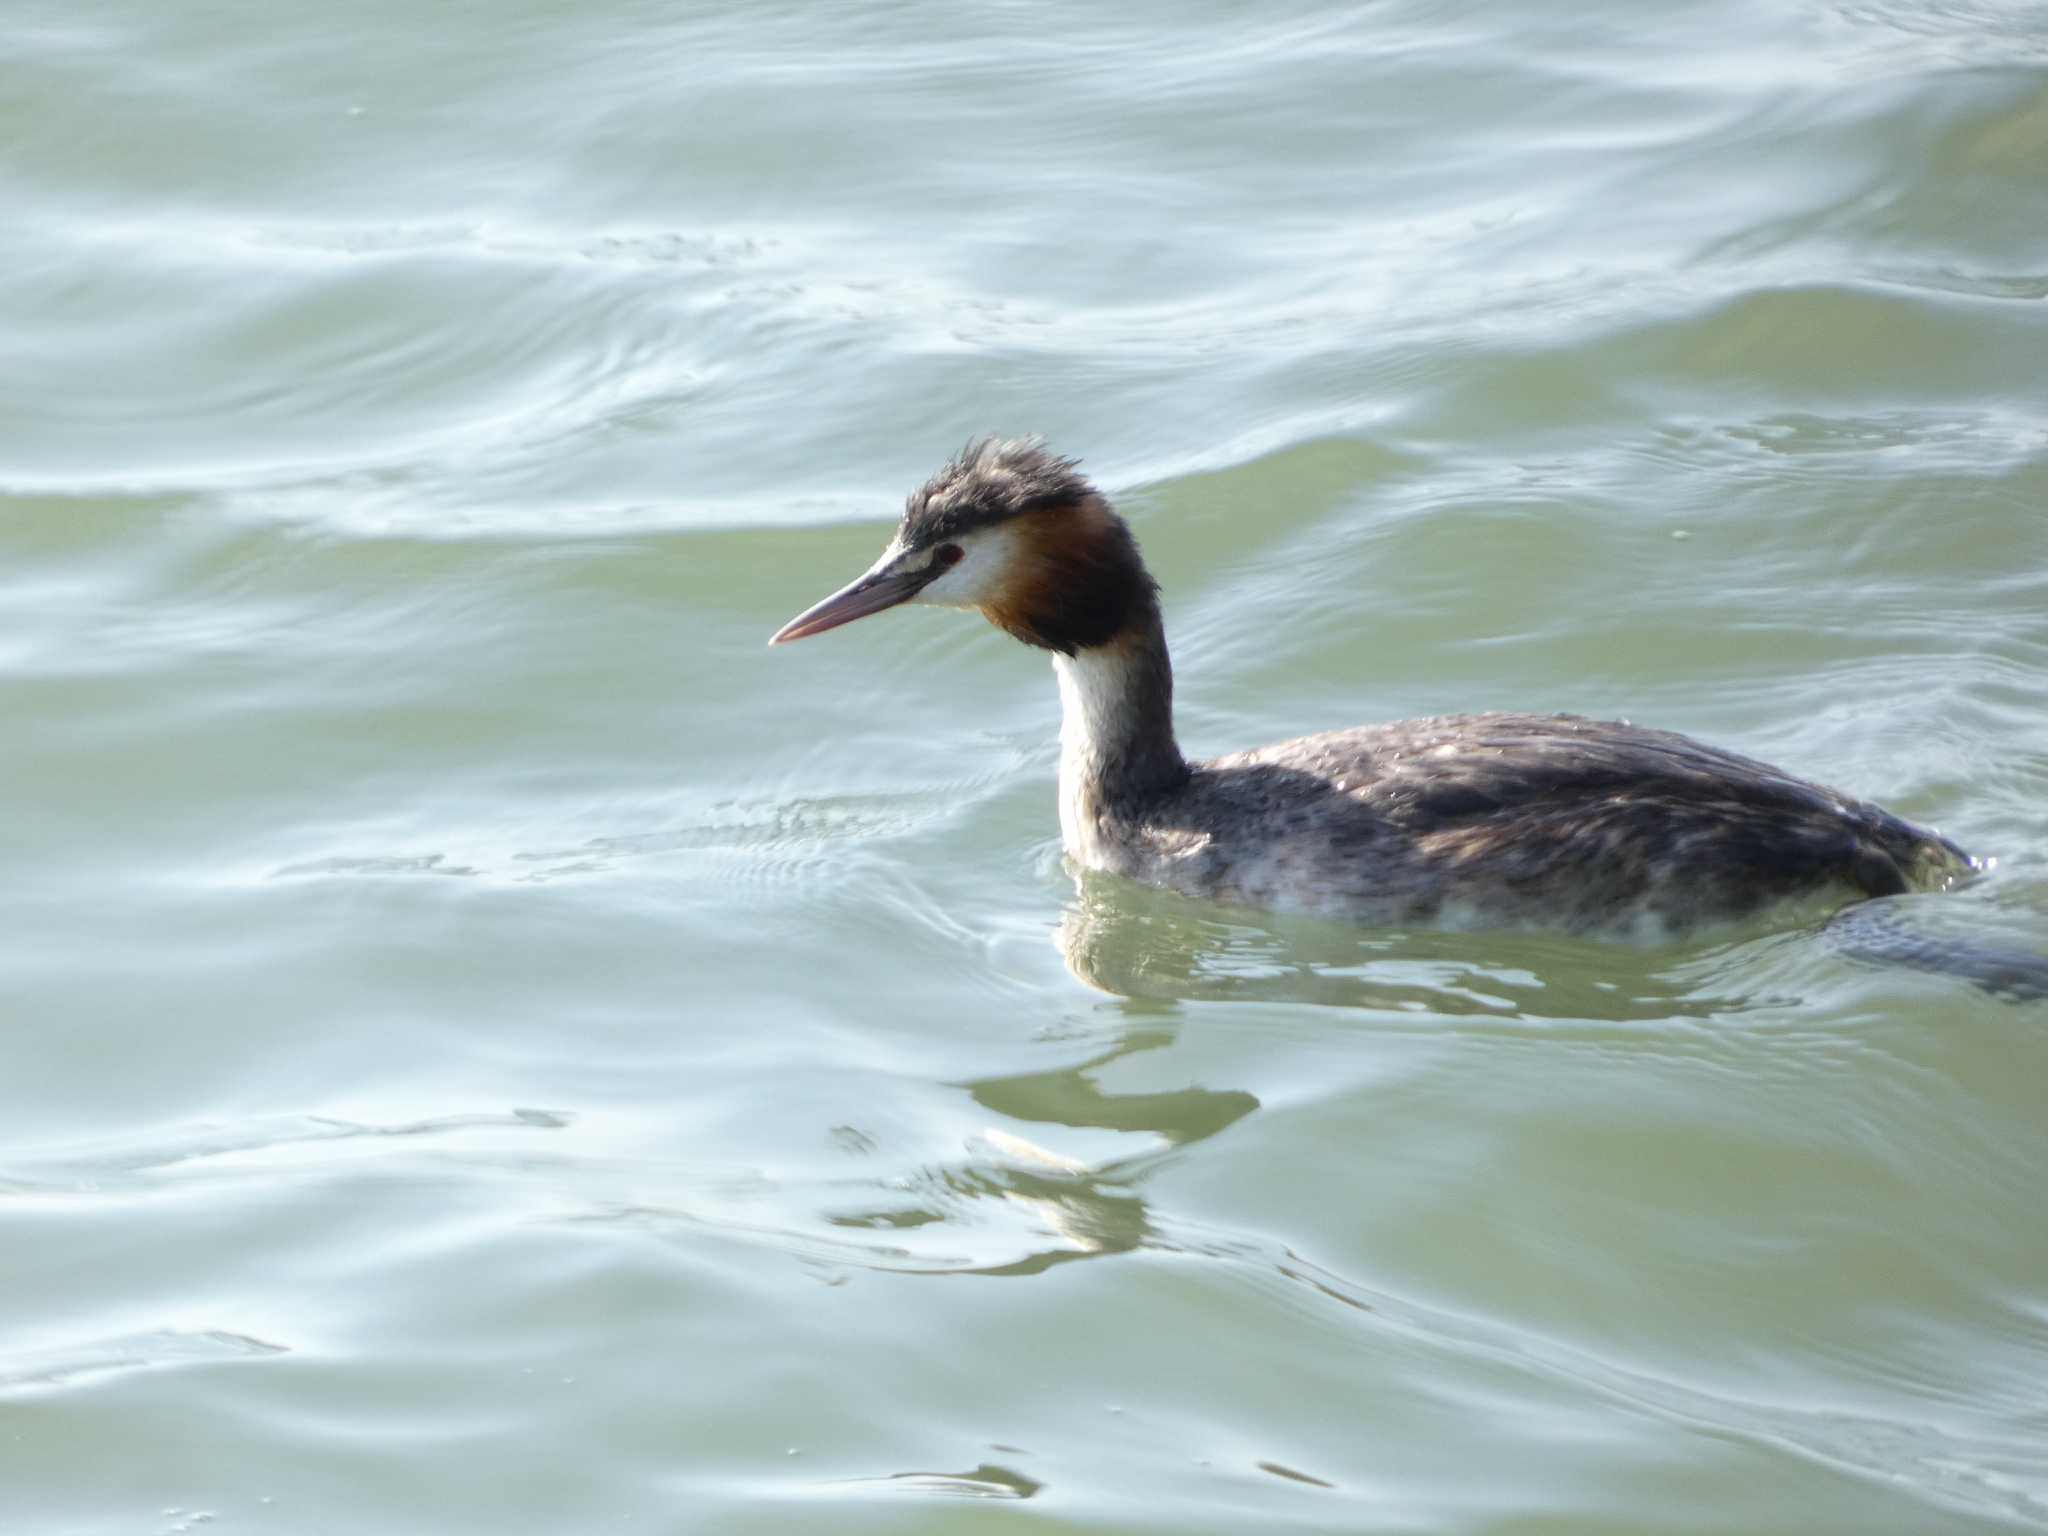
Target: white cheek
{"x": 978, "y": 576}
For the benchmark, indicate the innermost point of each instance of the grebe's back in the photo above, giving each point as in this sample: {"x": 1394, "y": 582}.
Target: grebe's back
{"x": 1594, "y": 827}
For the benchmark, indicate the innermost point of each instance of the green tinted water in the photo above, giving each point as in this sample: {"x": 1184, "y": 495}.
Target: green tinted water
{"x": 491, "y": 1047}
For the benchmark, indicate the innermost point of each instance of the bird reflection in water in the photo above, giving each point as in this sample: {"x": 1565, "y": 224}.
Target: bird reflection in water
{"x": 1021, "y": 1203}
{"x": 1021, "y": 1200}
{"x": 1015, "y": 1193}
{"x": 1155, "y": 948}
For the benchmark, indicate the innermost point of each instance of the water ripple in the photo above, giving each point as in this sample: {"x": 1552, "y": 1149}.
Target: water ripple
{"x": 62, "y": 1365}
{"x": 130, "y": 1163}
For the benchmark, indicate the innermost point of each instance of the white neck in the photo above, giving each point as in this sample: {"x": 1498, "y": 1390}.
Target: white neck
{"x": 1116, "y": 739}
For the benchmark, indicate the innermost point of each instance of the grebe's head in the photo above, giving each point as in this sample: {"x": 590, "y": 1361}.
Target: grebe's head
{"x": 1013, "y": 530}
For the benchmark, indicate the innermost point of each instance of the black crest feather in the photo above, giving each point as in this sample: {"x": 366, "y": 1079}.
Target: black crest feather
{"x": 989, "y": 481}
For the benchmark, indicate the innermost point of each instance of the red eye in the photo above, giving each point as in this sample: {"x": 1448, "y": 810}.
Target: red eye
{"x": 947, "y": 554}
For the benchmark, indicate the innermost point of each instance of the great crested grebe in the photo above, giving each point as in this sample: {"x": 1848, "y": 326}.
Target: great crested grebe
{"x": 1589, "y": 826}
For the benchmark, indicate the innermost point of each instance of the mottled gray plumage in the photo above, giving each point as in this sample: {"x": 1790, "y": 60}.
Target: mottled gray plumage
{"x": 1487, "y": 820}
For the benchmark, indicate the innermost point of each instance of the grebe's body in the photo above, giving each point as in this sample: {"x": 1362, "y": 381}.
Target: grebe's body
{"x": 1489, "y": 820}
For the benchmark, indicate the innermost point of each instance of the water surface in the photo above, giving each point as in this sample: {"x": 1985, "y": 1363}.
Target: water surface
{"x": 492, "y": 1048}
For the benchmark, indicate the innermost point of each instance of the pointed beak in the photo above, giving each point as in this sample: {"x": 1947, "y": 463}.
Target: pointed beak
{"x": 864, "y": 595}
